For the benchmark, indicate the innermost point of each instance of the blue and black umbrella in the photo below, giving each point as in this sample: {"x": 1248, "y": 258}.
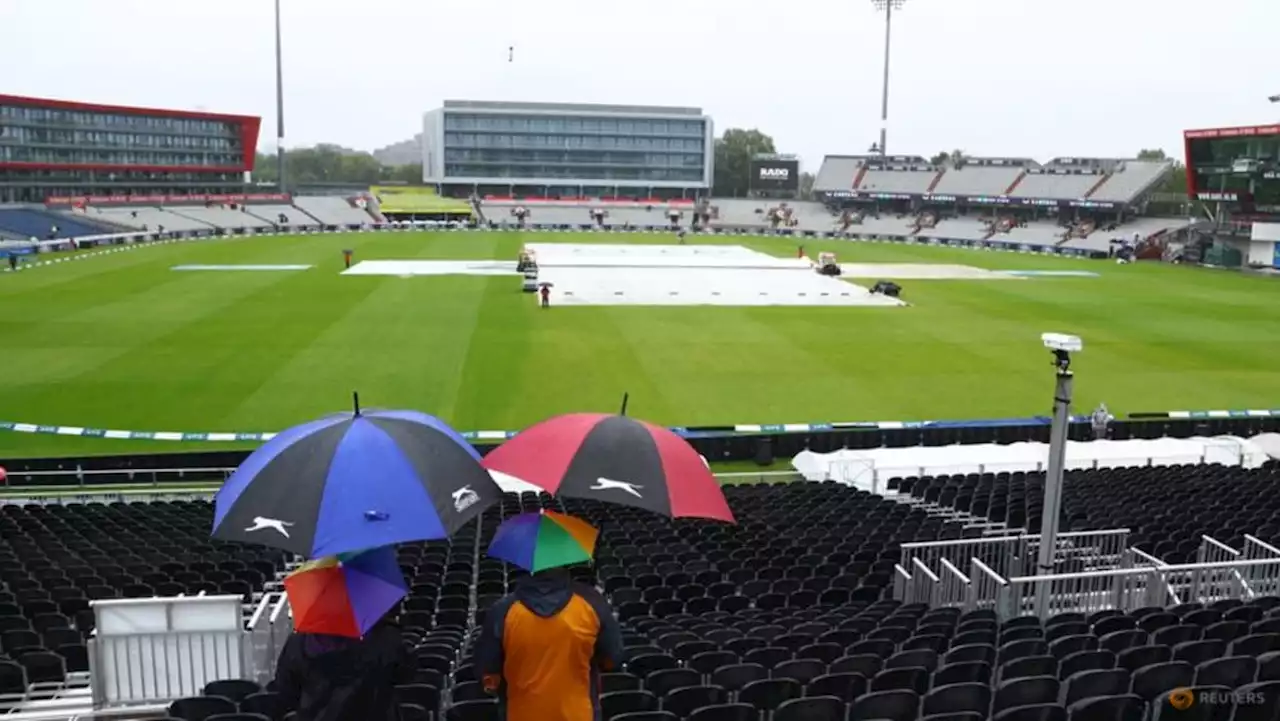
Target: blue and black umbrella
{"x": 354, "y": 481}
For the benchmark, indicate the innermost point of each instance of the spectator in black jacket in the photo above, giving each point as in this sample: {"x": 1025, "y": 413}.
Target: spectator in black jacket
{"x": 333, "y": 678}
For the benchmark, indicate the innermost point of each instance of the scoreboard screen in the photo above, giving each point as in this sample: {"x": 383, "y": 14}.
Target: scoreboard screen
{"x": 1237, "y": 166}
{"x": 775, "y": 173}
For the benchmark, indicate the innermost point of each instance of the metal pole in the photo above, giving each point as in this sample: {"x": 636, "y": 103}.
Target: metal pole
{"x": 1053, "y": 485}
{"x": 884, "y": 89}
{"x": 280, "y": 179}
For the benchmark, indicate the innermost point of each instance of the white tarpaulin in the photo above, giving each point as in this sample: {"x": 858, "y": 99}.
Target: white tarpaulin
{"x": 859, "y": 467}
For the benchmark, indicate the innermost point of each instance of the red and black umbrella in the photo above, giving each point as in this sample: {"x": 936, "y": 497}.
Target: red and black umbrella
{"x": 615, "y": 459}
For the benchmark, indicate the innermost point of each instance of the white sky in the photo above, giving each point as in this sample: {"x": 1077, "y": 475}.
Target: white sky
{"x": 1037, "y": 78}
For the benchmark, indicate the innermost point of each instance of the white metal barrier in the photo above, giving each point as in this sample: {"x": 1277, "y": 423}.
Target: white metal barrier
{"x": 1013, "y": 553}
{"x": 153, "y": 650}
{"x": 1124, "y": 580}
{"x": 269, "y": 627}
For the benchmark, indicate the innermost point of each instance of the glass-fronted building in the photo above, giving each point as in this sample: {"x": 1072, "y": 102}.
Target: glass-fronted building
{"x": 567, "y": 150}
{"x": 58, "y": 148}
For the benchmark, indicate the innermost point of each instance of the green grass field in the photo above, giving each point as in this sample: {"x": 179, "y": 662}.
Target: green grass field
{"x": 121, "y": 341}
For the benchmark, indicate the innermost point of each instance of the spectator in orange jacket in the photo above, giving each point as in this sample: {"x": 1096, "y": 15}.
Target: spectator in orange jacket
{"x": 542, "y": 649}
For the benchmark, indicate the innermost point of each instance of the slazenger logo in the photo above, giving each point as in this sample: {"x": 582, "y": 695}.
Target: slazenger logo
{"x": 605, "y": 484}
{"x": 464, "y": 498}
{"x": 275, "y": 524}
{"x": 775, "y": 173}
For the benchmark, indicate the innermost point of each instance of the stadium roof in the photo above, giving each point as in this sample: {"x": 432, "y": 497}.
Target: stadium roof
{"x": 1234, "y": 132}
{"x": 570, "y": 107}
{"x": 51, "y": 103}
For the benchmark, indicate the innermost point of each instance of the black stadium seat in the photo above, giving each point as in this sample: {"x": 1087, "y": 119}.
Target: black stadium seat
{"x": 792, "y": 612}
{"x": 200, "y": 708}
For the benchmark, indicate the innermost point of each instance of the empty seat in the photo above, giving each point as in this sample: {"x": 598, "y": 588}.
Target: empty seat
{"x": 887, "y": 705}
{"x": 200, "y": 708}
{"x": 963, "y": 697}
{"x": 1126, "y": 707}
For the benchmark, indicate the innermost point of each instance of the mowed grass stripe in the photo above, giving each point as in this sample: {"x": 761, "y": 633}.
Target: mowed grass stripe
{"x": 122, "y": 341}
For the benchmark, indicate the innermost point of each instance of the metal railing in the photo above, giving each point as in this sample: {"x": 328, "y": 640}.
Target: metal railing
{"x": 268, "y": 628}
{"x": 1114, "y": 577}
{"x": 161, "y": 477}
{"x": 1013, "y": 553}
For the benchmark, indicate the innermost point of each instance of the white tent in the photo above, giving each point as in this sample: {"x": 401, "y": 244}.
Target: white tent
{"x": 869, "y": 469}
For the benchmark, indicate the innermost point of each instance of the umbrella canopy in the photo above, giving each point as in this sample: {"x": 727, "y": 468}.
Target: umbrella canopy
{"x": 615, "y": 459}
{"x": 345, "y": 595}
{"x": 538, "y": 541}
{"x": 354, "y": 481}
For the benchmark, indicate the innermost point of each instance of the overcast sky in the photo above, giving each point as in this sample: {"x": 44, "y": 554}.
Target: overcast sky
{"x": 1037, "y": 78}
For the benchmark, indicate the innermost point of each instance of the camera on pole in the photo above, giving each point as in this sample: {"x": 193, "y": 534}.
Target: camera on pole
{"x": 1061, "y": 346}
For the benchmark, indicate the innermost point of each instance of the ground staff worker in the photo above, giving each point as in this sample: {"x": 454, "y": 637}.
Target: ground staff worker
{"x": 543, "y": 646}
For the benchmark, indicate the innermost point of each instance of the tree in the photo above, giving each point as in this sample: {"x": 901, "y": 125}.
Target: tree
{"x": 327, "y": 163}
{"x": 806, "y": 186}
{"x": 1152, "y": 154}
{"x": 410, "y": 174}
{"x": 940, "y": 158}
{"x": 734, "y": 151}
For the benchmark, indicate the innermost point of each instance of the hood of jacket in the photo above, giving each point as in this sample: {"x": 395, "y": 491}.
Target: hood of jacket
{"x": 545, "y": 594}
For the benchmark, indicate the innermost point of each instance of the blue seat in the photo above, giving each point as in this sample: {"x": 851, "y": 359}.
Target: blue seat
{"x": 29, "y": 223}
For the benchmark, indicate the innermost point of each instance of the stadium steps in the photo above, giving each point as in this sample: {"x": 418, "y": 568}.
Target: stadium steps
{"x": 857, "y": 179}
{"x": 274, "y": 224}
{"x": 191, "y": 218}
{"x": 1012, "y": 186}
{"x": 936, "y": 179}
{"x": 308, "y": 215}
{"x": 1098, "y": 185}
{"x": 934, "y": 508}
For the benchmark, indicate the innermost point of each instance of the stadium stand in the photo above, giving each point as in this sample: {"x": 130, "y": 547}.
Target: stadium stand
{"x": 837, "y": 172}
{"x": 978, "y": 180}
{"x": 27, "y": 222}
{"x": 221, "y": 216}
{"x": 916, "y": 182}
{"x": 331, "y": 210}
{"x": 1146, "y": 501}
{"x": 56, "y": 559}
{"x": 148, "y": 218}
{"x": 793, "y": 612}
{"x": 1131, "y": 179}
{"x": 1052, "y": 182}
{"x": 1104, "y": 180}
{"x": 271, "y": 214}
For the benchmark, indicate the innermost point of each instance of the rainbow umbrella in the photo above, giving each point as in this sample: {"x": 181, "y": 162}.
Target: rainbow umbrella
{"x": 538, "y": 541}
{"x": 345, "y": 595}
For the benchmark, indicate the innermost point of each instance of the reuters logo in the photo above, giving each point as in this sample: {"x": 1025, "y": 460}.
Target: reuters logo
{"x": 1181, "y": 698}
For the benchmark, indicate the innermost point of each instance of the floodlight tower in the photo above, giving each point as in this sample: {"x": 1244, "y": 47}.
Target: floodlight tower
{"x": 888, "y": 6}
{"x": 279, "y": 107}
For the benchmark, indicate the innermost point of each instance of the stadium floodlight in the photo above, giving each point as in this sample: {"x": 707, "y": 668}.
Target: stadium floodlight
{"x": 280, "y": 180}
{"x": 1062, "y": 346}
{"x": 888, "y": 6}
